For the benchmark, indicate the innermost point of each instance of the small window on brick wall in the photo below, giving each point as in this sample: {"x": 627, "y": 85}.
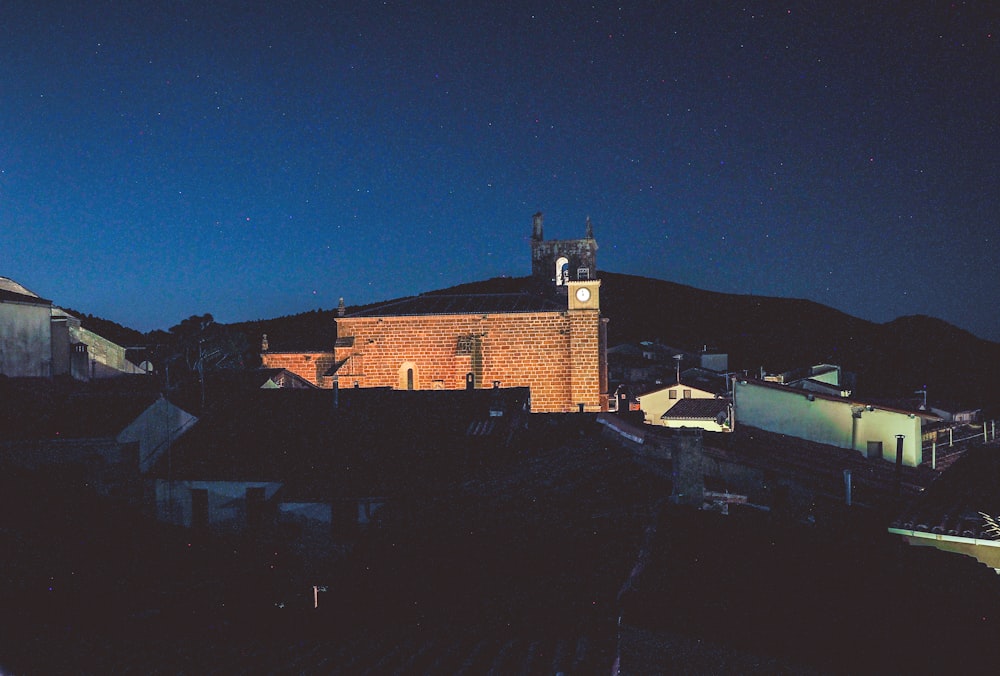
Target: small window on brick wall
{"x": 464, "y": 345}
{"x": 583, "y": 273}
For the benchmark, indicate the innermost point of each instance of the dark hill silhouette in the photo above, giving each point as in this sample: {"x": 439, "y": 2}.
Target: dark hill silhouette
{"x": 892, "y": 360}
{"x": 116, "y": 333}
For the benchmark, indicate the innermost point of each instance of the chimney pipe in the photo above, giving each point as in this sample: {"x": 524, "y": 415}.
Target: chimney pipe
{"x": 899, "y": 463}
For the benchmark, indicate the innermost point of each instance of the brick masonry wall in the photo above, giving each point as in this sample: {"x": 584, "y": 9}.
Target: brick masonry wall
{"x": 556, "y": 354}
{"x": 309, "y": 365}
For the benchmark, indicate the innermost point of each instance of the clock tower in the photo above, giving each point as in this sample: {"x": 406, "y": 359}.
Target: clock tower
{"x": 584, "y": 295}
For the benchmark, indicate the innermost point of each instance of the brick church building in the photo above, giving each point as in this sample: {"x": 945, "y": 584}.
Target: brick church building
{"x": 550, "y": 338}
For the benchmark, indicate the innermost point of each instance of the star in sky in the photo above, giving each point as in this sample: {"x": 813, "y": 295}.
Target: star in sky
{"x": 842, "y": 152}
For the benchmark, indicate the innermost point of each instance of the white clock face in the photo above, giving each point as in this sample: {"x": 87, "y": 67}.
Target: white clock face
{"x": 583, "y": 294}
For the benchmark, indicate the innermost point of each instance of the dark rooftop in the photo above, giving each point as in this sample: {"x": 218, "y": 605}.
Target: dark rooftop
{"x": 498, "y": 303}
{"x": 951, "y": 505}
{"x": 11, "y": 290}
{"x": 696, "y": 409}
{"x": 62, "y": 408}
{"x": 370, "y": 442}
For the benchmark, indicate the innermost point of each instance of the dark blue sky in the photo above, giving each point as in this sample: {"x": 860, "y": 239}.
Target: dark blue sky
{"x": 251, "y": 160}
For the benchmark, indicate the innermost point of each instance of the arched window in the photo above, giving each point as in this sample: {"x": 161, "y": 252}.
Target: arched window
{"x": 562, "y": 270}
{"x": 408, "y": 376}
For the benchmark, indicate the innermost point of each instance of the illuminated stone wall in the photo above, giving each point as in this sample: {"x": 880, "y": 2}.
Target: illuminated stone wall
{"x": 308, "y": 365}
{"x": 558, "y": 355}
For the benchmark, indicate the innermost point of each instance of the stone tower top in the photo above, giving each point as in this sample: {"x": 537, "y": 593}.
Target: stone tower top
{"x": 536, "y": 227}
{"x": 557, "y": 262}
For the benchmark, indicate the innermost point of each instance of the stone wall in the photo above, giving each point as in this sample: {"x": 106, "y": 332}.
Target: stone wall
{"x": 555, "y": 354}
{"x": 580, "y": 253}
{"x": 308, "y": 365}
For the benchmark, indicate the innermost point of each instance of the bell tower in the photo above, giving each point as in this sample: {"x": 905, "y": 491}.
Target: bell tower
{"x": 558, "y": 262}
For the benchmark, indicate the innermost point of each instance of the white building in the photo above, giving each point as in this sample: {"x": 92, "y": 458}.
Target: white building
{"x": 838, "y": 421}
{"x": 25, "y": 332}
{"x": 657, "y": 402}
{"x": 40, "y": 340}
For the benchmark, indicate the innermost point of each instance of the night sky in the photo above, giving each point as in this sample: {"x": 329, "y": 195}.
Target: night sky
{"x": 253, "y": 160}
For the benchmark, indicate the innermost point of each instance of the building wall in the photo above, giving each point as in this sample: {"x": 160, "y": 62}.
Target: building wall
{"x": 308, "y": 365}
{"x": 827, "y": 421}
{"x": 714, "y": 362}
{"x": 154, "y": 430}
{"x": 579, "y": 253}
{"x": 107, "y": 359}
{"x": 830, "y": 377}
{"x": 558, "y": 355}
{"x": 61, "y": 345}
{"x": 654, "y": 404}
{"x": 707, "y": 425}
{"x": 25, "y": 339}
{"x": 227, "y": 503}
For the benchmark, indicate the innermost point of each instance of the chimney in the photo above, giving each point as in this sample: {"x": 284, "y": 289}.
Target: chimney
{"x": 590, "y": 229}
{"x": 536, "y": 227}
{"x": 340, "y": 308}
{"x": 263, "y": 343}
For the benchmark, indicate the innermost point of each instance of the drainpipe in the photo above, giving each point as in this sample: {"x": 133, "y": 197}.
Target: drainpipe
{"x": 899, "y": 463}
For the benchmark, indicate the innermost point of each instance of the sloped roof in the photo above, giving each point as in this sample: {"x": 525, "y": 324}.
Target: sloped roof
{"x": 433, "y": 304}
{"x": 696, "y": 409}
{"x": 926, "y": 415}
{"x": 951, "y": 505}
{"x": 11, "y": 290}
{"x": 370, "y": 442}
{"x": 335, "y": 367}
{"x": 674, "y": 383}
{"x": 43, "y": 408}
{"x": 230, "y": 379}
{"x": 705, "y": 380}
